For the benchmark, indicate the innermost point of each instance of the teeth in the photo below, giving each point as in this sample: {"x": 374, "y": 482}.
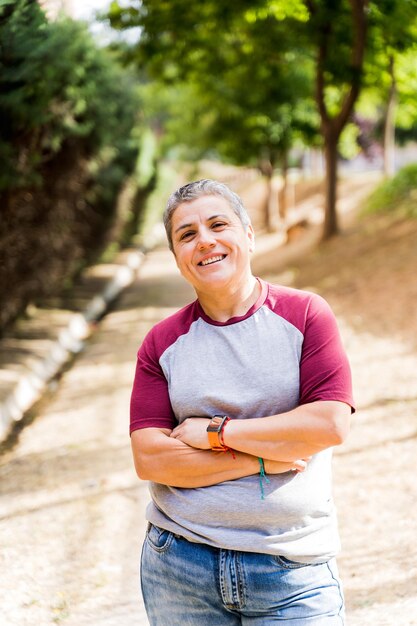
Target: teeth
{"x": 212, "y": 259}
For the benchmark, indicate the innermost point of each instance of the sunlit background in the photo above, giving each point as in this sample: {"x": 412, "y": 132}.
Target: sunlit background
{"x": 311, "y": 116}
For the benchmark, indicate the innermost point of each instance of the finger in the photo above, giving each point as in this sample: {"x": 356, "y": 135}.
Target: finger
{"x": 300, "y": 465}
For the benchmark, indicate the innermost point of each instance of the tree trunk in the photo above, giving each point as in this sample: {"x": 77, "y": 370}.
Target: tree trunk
{"x": 268, "y": 203}
{"x": 389, "y": 125}
{"x": 332, "y": 125}
{"x": 266, "y": 168}
{"x": 330, "y": 226}
{"x": 282, "y": 196}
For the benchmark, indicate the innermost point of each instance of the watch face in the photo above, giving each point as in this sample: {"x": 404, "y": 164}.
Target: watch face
{"x": 216, "y": 423}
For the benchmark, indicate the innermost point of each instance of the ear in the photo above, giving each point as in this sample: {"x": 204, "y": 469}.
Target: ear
{"x": 251, "y": 236}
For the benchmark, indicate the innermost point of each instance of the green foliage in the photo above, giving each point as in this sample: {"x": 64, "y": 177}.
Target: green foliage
{"x": 238, "y": 80}
{"x": 334, "y": 34}
{"x": 398, "y": 194}
{"x": 348, "y": 144}
{"x": 70, "y": 136}
{"x": 406, "y": 80}
{"x": 391, "y": 63}
{"x": 249, "y": 59}
{"x": 150, "y": 223}
{"x": 57, "y": 86}
{"x": 145, "y": 165}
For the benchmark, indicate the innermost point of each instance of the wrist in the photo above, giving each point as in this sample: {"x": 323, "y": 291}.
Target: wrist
{"x": 215, "y": 432}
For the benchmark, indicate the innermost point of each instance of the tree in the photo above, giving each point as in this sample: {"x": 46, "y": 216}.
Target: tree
{"x": 390, "y": 66}
{"x": 338, "y": 30}
{"x": 250, "y": 85}
{"x": 68, "y": 112}
{"x": 212, "y": 38}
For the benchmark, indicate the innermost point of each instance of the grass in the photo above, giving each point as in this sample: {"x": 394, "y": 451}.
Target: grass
{"x": 156, "y": 201}
{"x": 397, "y": 195}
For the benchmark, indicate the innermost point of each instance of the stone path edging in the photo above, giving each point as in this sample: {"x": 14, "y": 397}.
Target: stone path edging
{"x": 34, "y": 378}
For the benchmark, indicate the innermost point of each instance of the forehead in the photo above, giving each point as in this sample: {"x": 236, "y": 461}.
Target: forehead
{"x": 202, "y": 208}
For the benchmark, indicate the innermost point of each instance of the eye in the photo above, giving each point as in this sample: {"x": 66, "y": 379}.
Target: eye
{"x": 218, "y": 225}
{"x": 187, "y": 235}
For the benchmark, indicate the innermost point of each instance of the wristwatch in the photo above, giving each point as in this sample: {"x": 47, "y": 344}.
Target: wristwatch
{"x": 214, "y": 431}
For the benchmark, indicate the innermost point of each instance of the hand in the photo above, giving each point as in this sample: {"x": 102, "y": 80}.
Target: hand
{"x": 280, "y": 467}
{"x": 193, "y": 432}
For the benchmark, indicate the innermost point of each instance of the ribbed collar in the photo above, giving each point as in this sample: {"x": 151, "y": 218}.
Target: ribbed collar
{"x": 234, "y": 320}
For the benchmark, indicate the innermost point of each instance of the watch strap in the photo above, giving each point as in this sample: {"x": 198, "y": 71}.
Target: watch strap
{"x": 215, "y": 432}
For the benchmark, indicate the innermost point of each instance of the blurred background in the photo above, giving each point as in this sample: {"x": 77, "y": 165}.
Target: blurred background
{"x": 101, "y": 101}
{"x": 306, "y": 108}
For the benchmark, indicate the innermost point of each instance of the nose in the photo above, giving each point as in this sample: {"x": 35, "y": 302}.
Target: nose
{"x": 206, "y": 239}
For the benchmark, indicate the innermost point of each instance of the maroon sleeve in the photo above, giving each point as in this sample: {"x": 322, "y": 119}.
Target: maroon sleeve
{"x": 324, "y": 368}
{"x": 150, "y": 405}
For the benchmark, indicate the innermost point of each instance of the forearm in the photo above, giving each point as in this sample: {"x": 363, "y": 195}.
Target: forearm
{"x": 169, "y": 461}
{"x": 297, "y": 434}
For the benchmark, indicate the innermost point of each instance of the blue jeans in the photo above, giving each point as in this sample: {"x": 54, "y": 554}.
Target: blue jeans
{"x": 193, "y": 584}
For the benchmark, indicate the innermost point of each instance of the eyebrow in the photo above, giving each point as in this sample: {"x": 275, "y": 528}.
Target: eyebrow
{"x": 209, "y": 219}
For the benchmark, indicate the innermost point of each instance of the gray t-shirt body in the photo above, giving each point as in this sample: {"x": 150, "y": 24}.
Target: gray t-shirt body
{"x": 284, "y": 352}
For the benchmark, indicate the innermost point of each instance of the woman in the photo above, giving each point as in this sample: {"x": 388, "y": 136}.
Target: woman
{"x": 237, "y": 402}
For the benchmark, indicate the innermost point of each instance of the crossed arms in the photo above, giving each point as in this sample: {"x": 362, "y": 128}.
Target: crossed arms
{"x": 182, "y": 457}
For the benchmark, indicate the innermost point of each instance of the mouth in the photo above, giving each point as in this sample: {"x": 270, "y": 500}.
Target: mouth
{"x": 212, "y": 259}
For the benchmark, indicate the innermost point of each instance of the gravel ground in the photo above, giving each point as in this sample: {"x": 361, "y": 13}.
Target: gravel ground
{"x": 72, "y": 509}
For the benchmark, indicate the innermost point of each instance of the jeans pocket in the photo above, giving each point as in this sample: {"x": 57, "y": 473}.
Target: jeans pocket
{"x": 288, "y": 564}
{"x": 159, "y": 539}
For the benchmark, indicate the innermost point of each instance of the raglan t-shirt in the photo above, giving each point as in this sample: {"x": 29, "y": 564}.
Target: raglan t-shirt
{"x": 284, "y": 352}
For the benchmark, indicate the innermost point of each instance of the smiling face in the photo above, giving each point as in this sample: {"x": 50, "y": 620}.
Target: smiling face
{"x": 211, "y": 246}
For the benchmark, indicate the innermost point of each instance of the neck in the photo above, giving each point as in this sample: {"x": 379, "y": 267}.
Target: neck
{"x": 235, "y": 302}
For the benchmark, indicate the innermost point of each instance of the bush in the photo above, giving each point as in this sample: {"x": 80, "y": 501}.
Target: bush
{"x": 69, "y": 139}
{"x": 56, "y": 85}
{"x": 398, "y": 194}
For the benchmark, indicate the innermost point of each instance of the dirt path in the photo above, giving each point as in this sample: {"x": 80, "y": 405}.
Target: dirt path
{"x": 71, "y": 507}
{"x": 72, "y": 510}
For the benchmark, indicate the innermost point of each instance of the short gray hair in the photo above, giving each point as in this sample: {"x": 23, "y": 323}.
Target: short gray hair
{"x": 198, "y": 189}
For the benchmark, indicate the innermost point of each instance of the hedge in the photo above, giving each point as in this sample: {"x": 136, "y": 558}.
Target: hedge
{"x": 70, "y": 136}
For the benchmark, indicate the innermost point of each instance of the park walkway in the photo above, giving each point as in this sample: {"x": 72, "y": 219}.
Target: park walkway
{"x": 72, "y": 509}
